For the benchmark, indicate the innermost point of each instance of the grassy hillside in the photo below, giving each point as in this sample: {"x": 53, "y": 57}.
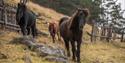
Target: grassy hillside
{"x": 99, "y": 52}
{"x": 61, "y": 6}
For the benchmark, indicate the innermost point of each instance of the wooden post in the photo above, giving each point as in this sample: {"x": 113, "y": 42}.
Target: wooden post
{"x": 109, "y": 34}
{"x": 5, "y": 19}
{"x": 102, "y": 33}
{"x": 93, "y": 37}
{"x": 2, "y": 13}
{"x": 122, "y": 36}
{"x": 114, "y": 35}
{"x": 92, "y": 32}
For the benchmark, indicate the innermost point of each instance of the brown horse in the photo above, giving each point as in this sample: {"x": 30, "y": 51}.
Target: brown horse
{"x": 53, "y": 29}
{"x": 71, "y": 31}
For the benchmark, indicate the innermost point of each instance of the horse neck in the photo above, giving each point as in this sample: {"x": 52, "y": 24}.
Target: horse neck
{"x": 73, "y": 18}
{"x": 25, "y": 12}
{"x": 74, "y": 23}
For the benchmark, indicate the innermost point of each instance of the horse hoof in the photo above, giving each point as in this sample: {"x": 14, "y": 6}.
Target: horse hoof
{"x": 74, "y": 60}
{"x": 68, "y": 55}
{"x": 78, "y": 61}
{"x": 59, "y": 39}
{"x": 26, "y": 37}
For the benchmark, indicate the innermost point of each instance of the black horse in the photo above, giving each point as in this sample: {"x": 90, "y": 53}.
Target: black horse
{"x": 71, "y": 31}
{"x": 26, "y": 19}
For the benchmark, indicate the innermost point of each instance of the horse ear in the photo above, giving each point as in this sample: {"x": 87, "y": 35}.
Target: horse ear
{"x": 79, "y": 9}
{"x": 86, "y": 11}
{"x": 21, "y": 1}
{"x": 24, "y": 1}
{"x": 18, "y": 4}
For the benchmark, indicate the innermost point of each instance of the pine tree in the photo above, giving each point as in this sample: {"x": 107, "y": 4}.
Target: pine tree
{"x": 112, "y": 12}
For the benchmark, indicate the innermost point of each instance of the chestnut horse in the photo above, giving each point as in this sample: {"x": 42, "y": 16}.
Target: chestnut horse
{"x": 53, "y": 30}
{"x": 71, "y": 31}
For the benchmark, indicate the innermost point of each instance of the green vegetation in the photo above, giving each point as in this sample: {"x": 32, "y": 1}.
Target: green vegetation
{"x": 69, "y": 6}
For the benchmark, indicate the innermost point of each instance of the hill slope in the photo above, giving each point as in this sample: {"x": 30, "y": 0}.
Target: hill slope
{"x": 99, "y": 52}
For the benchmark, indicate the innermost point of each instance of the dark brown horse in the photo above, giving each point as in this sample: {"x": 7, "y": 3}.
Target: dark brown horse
{"x": 54, "y": 30}
{"x": 71, "y": 31}
{"x": 26, "y": 19}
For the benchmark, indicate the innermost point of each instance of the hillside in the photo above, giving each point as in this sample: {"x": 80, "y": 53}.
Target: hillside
{"x": 99, "y": 52}
{"x": 61, "y": 6}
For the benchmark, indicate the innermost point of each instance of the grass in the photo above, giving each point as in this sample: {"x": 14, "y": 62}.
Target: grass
{"x": 98, "y": 52}
{"x": 16, "y": 52}
{"x": 103, "y": 53}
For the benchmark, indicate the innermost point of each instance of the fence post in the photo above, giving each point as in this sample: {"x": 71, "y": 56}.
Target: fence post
{"x": 2, "y": 13}
{"x": 92, "y": 33}
{"x": 5, "y": 19}
{"x": 109, "y": 34}
{"x": 93, "y": 37}
{"x": 102, "y": 33}
{"x": 122, "y": 36}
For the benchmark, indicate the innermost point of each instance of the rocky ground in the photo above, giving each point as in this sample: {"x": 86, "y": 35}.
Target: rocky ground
{"x": 15, "y": 49}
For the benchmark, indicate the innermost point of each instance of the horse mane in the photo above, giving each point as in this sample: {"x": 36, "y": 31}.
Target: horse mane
{"x": 72, "y": 19}
{"x": 87, "y": 13}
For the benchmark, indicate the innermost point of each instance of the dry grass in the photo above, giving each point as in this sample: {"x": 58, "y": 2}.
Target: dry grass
{"x": 16, "y": 53}
{"x": 99, "y": 52}
{"x": 103, "y": 53}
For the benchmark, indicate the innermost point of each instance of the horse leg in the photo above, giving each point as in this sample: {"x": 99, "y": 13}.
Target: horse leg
{"x": 78, "y": 51}
{"x": 53, "y": 37}
{"x": 73, "y": 50}
{"x": 67, "y": 47}
{"x": 28, "y": 31}
{"x": 23, "y": 30}
{"x": 58, "y": 36}
{"x": 33, "y": 31}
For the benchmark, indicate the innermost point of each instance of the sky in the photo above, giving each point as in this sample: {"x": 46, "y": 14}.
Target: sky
{"x": 122, "y": 5}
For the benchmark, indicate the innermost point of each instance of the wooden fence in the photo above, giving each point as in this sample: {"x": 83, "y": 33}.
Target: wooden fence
{"x": 8, "y": 17}
{"x": 106, "y": 33}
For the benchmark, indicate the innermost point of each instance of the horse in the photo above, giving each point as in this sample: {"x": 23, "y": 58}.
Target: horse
{"x": 53, "y": 30}
{"x": 71, "y": 31}
{"x": 26, "y": 19}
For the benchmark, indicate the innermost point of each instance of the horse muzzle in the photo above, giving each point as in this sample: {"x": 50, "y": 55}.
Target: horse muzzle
{"x": 81, "y": 27}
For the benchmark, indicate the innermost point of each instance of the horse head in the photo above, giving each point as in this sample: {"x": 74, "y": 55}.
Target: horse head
{"x": 81, "y": 17}
{"x": 21, "y": 8}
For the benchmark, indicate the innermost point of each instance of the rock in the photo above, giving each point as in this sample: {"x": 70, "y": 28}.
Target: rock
{"x": 56, "y": 59}
{"x": 27, "y": 57}
{"x": 47, "y": 50}
{"x": 3, "y": 56}
{"x": 43, "y": 50}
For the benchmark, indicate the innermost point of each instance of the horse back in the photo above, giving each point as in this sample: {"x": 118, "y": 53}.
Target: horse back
{"x": 63, "y": 19}
{"x": 64, "y": 29}
{"x": 30, "y": 18}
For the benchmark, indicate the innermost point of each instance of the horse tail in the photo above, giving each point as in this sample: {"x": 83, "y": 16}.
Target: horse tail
{"x": 62, "y": 20}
